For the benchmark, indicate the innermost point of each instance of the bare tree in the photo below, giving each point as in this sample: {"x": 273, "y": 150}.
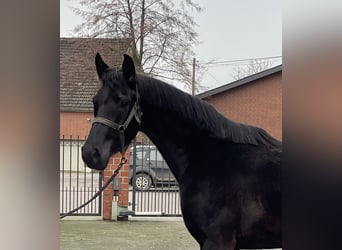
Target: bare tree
{"x": 254, "y": 66}
{"x": 162, "y": 32}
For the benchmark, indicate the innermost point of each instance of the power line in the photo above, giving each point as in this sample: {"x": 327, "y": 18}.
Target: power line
{"x": 217, "y": 81}
{"x": 242, "y": 60}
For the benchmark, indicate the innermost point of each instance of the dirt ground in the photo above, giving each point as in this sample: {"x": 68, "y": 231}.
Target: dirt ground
{"x": 91, "y": 235}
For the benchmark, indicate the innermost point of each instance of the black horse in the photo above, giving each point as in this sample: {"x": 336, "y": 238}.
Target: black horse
{"x": 229, "y": 173}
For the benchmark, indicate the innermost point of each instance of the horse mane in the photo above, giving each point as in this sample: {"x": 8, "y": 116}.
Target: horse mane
{"x": 200, "y": 113}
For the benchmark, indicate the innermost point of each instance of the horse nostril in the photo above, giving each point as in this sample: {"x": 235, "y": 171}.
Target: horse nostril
{"x": 96, "y": 153}
{"x": 89, "y": 152}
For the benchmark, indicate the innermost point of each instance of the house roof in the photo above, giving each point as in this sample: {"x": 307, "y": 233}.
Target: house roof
{"x": 240, "y": 82}
{"x": 78, "y": 78}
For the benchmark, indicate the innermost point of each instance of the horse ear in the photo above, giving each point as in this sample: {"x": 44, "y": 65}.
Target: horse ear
{"x": 128, "y": 70}
{"x": 101, "y": 66}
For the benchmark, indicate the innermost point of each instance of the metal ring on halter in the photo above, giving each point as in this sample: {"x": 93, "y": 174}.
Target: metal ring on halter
{"x": 121, "y": 128}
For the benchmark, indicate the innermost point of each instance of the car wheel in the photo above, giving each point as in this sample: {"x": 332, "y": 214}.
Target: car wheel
{"x": 143, "y": 182}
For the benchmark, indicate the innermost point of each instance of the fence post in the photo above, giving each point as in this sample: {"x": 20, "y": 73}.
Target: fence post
{"x": 124, "y": 185}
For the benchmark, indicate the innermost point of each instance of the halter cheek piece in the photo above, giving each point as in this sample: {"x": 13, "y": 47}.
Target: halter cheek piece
{"x": 135, "y": 112}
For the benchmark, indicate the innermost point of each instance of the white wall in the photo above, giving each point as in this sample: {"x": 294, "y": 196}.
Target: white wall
{"x": 71, "y": 156}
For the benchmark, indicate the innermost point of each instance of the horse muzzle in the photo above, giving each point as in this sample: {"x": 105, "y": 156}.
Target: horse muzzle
{"x": 92, "y": 157}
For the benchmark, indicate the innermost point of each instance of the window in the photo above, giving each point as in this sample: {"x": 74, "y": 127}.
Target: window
{"x": 155, "y": 155}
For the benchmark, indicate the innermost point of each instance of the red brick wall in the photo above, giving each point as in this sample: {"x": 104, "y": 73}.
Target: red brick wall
{"x": 75, "y": 124}
{"x": 124, "y": 185}
{"x": 258, "y": 103}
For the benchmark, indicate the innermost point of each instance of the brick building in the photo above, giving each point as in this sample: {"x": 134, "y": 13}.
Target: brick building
{"x": 254, "y": 100}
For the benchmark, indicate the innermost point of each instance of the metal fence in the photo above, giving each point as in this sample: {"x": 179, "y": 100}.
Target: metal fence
{"x": 161, "y": 201}
{"x": 77, "y": 182}
{"x": 162, "y": 197}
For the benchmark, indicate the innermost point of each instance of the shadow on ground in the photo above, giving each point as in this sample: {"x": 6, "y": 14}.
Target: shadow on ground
{"x": 91, "y": 235}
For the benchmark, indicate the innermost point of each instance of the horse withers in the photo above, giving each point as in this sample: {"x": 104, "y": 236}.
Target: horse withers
{"x": 229, "y": 173}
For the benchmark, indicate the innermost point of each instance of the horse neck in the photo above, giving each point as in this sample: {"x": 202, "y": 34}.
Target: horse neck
{"x": 169, "y": 135}
{"x": 165, "y": 122}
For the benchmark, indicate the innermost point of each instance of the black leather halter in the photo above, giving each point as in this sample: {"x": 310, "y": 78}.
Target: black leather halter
{"x": 135, "y": 112}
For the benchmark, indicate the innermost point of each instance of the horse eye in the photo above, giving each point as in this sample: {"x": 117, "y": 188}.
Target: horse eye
{"x": 124, "y": 103}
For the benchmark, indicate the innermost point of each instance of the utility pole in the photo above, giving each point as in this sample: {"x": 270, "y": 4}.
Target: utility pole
{"x": 193, "y": 76}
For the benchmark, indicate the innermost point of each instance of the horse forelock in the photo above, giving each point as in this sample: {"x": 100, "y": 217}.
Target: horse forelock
{"x": 200, "y": 113}
{"x": 112, "y": 76}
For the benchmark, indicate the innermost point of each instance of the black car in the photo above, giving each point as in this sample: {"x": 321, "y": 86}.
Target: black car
{"x": 151, "y": 168}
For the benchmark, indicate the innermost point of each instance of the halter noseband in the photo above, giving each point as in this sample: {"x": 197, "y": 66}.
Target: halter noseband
{"x": 135, "y": 112}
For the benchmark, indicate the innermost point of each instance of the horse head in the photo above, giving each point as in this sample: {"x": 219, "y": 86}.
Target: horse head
{"x": 116, "y": 111}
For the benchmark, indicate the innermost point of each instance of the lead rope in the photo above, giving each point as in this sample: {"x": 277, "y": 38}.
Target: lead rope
{"x": 116, "y": 172}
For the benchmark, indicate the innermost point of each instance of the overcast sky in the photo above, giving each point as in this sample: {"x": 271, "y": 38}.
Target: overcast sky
{"x": 228, "y": 30}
